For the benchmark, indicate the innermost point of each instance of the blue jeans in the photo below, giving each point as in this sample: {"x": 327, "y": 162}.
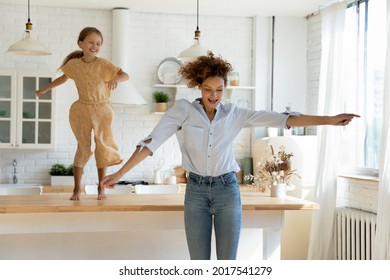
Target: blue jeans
{"x": 212, "y": 198}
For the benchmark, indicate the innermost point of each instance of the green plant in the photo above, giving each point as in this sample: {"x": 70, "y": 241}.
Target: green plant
{"x": 161, "y": 97}
{"x": 60, "y": 170}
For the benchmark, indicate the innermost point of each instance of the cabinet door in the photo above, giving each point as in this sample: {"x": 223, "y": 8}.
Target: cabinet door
{"x": 35, "y": 115}
{"x": 7, "y": 108}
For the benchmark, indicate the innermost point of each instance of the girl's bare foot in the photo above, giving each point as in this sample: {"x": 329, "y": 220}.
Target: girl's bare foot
{"x": 101, "y": 193}
{"x": 102, "y": 196}
{"x": 75, "y": 196}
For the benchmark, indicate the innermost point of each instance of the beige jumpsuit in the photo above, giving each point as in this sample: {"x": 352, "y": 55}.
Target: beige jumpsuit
{"x": 93, "y": 111}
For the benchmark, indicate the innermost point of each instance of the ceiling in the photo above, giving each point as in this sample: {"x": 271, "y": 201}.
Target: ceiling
{"x": 206, "y": 7}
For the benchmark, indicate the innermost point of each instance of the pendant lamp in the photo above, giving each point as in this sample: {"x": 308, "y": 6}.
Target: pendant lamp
{"x": 28, "y": 45}
{"x": 196, "y": 49}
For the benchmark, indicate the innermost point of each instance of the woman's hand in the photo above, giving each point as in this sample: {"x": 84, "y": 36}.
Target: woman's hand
{"x": 343, "y": 119}
{"x": 139, "y": 155}
{"x": 111, "y": 180}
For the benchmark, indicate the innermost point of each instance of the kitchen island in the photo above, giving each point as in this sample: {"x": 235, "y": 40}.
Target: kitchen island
{"x": 131, "y": 226}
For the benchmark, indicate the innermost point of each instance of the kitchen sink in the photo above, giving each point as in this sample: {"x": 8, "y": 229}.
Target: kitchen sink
{"x": 20, "y": 189}
{"x": 20, "y": 185}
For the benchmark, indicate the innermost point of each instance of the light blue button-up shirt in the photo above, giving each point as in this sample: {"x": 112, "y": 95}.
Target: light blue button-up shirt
{"x": 207, "y": 147}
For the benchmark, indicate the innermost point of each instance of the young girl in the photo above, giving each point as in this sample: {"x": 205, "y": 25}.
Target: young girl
{"x": 205, "y": 130}
{"x": 94, "y": 78}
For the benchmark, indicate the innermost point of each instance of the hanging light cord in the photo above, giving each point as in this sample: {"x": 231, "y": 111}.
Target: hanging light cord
{"x": 197, "y": 15}
{"x": 197, "y": 31}
{"x": 28, "y": 24}
{"x": 28, "y": 10}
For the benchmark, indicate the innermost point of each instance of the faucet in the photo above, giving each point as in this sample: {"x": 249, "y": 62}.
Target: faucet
{"x": 15, "y": 164}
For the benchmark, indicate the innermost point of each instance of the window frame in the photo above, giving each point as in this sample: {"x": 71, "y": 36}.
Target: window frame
{"x": 357, "y": 157}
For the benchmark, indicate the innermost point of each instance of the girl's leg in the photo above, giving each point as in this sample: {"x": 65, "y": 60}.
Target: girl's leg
{"x": 81, "y": 127}
{"x": 106, "y": 150}
{"x": 78, "y": 174}
{"x": 101, "y": 175}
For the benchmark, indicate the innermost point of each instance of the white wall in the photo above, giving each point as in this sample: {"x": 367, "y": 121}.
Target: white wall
{"x": 153, "y": 38}
{"x": 281, "y": 80}
{"x": 290, "y": 64}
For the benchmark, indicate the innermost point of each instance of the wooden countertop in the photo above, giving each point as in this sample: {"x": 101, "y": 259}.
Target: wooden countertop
{"x": 137, "y": 202}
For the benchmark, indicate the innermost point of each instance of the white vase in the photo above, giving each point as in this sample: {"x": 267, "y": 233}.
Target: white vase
{"x": 278, "y": 190}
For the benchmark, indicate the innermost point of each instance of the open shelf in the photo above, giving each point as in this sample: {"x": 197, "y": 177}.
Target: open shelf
{"x": 229, "y": 89}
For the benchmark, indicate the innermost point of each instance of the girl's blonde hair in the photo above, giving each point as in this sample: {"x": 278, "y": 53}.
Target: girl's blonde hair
{"x": 83, "y": 34}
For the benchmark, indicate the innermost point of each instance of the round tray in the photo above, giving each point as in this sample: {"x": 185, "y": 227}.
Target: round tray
{"x": 168, "y": 71}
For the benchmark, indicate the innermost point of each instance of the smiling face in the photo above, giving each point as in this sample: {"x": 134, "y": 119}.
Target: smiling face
{"x": 91, "y": 45}
{"x": 212, "y": 92}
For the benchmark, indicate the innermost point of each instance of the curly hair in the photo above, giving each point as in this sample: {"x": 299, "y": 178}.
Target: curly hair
{"x": 203, "y": 67}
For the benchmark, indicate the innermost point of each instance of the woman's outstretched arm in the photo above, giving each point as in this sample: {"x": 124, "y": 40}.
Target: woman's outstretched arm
{"x": 306, "y": 120}
{"x": 138, "y": 156}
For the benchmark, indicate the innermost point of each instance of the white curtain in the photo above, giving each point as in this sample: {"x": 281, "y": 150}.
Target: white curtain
{"x": 382, "y": 237}
{"x": 322, "y": 242}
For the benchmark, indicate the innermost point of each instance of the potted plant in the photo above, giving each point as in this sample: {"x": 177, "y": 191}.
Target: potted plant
{"x": 61, "y": 175}
{"x": 161, "y": 98}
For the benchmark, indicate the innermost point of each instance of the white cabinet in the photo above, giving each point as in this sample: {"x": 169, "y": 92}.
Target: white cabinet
{"x": 26, "y": 121}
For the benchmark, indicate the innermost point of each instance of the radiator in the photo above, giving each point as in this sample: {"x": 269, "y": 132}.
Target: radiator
{"x": 355, "y": 231}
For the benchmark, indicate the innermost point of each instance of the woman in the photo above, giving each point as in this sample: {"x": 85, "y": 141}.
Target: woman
{"x": 205, "y": 130}
{"x": 94, "y": 78}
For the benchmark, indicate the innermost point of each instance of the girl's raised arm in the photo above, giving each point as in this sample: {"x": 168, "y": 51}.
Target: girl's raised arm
{"x": 55, "y": 83}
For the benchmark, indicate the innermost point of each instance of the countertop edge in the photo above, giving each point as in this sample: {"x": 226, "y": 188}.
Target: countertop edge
{"x": 147, "y": 202}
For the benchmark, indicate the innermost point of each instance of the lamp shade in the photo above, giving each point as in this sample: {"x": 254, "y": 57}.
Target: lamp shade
{"x": 192, "y": 52}
{"x": 196, "y": 49}
{"x": 28, "y": 46}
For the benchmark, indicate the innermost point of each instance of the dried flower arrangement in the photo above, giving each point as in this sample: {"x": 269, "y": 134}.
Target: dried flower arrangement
{"x": 274, "y": 170}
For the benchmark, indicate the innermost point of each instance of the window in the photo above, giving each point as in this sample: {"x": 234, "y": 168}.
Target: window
{"x": 365, "y": 53}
